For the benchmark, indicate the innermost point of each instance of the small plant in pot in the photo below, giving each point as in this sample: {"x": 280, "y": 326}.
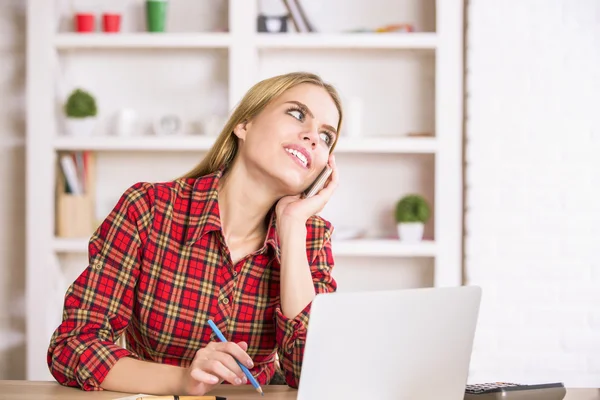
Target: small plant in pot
{"x": 81, "y": 111}
{"x": 412, "y": 212}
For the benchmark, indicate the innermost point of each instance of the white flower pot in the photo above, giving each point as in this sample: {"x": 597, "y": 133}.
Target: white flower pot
{"x": 410, "y": 231}
{"x": 80, "y": 126}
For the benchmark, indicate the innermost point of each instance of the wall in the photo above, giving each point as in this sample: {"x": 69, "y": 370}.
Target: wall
{"x": 533, "y": 221}
{"x": 12, "y": 188}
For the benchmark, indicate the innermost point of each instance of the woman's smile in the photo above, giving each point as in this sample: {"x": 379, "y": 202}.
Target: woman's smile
{"x": 299, "y": 155}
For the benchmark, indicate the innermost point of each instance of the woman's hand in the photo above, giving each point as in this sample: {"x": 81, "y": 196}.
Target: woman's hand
{"x": 295, "y": 208}
{"x": 214, "y": 364}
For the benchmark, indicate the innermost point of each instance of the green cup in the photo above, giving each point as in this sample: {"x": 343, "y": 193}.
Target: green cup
{"x": 156, "y": 15}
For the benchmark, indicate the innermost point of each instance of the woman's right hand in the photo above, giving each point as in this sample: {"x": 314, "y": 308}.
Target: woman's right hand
{"x": 214, "y": 364}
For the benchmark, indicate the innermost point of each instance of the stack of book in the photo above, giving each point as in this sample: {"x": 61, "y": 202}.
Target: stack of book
{"x": 75, "y": 194}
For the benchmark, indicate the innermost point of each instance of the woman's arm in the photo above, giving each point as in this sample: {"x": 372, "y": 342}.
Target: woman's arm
{"x": 297, "y": 287}
{"x": 98, "y": 308}
{"x": 211, "y": 364}
{"x": 306, "y": 264}
{"x": 98, "y": 305}
{"x": 300, "y": 280}
{"x": 135, "y": 376}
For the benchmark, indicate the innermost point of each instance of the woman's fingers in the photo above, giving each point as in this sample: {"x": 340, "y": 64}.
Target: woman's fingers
{"x": 236, "y": 351}
{"x": 216, "y": 368}
{"x": 219, "y": 359}
{"x": 229, "y": 362}
{"x": 204, "y": 377}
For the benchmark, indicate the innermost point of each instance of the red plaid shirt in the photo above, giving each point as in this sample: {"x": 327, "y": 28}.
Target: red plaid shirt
{"x": 159, "y": 269}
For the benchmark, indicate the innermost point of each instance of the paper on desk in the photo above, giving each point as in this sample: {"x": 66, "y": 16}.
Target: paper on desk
{"x": 135, "y": 397}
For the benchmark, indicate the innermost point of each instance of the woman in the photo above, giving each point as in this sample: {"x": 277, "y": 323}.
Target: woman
{"x": 232, "y": 241}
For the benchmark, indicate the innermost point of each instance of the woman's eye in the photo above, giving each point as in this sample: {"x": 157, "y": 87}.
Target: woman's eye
{"x": 297, "y": 114}
{"x": 326, "y": 138}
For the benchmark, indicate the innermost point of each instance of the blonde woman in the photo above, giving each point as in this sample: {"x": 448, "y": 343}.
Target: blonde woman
{"x": 232, "y": 241}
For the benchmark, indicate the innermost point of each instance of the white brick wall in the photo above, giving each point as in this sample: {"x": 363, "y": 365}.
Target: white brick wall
{"x": 533, "y": 189}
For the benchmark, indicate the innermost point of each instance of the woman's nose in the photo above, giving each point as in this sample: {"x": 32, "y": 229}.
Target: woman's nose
{"x": 311, "y": 135}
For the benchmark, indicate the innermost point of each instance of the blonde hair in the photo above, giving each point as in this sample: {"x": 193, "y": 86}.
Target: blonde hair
{"x": 254, "y": 101}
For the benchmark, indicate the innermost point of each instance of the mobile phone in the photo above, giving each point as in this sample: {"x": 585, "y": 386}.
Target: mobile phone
{"x": 318, "y": 183}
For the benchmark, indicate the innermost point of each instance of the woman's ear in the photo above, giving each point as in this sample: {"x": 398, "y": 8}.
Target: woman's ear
{"x": 241, "y": 130}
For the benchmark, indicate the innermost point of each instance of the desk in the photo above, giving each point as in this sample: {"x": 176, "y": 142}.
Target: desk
{"x": 24, "y": 390}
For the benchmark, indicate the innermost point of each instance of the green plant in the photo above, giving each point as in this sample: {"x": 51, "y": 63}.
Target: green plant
{"x": 412, "y": 208}
{"x": 80, "y": 104}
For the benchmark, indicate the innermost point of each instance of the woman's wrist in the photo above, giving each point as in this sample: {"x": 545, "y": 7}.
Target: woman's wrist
{"x": 178, "y": 381}
{"x": 288, "y": 228}
{"x": 133, "y": 376}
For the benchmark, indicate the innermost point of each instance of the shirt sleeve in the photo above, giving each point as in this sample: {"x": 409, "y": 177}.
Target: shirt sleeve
{"x": 98, "y": 304}
{"x": 290, "y": 333}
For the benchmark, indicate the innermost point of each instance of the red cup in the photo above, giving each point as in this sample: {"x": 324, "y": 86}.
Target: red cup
{"x": 111, "y": 22}
{"x": 85, "y": 22}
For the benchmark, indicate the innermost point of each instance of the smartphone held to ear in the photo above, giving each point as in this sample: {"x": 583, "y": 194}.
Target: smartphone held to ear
{"x": 318, "y": 183}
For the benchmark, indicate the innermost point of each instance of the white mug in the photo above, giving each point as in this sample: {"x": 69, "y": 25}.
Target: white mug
{"x": 126, "y": 122}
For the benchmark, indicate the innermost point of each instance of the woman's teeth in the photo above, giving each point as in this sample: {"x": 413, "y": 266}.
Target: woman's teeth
{"x": 298, "y": 155}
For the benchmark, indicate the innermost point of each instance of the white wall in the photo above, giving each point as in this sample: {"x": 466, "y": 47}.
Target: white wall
{"x": 12, "y": 188}
{"x": 533, "y": 176}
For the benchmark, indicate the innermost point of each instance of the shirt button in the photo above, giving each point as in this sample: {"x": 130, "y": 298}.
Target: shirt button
{"x": 225, "y": 300}
{"x": 234, "y": 273}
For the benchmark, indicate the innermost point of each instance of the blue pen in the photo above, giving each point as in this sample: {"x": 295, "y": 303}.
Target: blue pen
{"x": 246, "y": 371}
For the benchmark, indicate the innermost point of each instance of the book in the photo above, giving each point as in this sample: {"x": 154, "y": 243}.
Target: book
{"x": 298, "y": 16}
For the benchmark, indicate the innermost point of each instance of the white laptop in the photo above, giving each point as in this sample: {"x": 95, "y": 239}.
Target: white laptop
{"x": 411, "y": 344}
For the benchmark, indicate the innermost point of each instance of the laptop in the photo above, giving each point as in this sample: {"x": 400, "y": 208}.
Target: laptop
{"x": 390, "y": 345}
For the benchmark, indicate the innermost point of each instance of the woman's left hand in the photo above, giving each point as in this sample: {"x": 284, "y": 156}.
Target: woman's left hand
{"x": 295, "y": 208}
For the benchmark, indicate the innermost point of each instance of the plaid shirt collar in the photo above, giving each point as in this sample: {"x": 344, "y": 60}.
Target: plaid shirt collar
{"x": 205, "y": 217}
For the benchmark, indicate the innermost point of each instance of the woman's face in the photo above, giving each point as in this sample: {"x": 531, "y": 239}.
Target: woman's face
{"x": 288, "y": 143}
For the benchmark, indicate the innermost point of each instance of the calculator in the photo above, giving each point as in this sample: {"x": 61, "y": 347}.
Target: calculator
{"x": 515, "y": 391}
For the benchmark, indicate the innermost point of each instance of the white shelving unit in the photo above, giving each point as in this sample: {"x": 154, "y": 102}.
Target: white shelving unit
{"x": 239, "y": 58}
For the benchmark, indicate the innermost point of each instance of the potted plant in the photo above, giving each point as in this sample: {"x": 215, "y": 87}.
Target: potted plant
{"x": 81, "y": 111}
{"x": 412, "y": 212}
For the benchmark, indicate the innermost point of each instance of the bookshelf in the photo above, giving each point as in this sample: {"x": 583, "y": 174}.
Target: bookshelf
{"x": 409, "y": 83}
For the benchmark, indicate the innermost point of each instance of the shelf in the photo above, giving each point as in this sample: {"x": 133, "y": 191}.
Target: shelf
{"x": 415, "y": 41}
{"x": 357, "y": 247}
{"x": 150, "y": 143}
{"x": 203, "y": 143}
{"x": 66, "y": 41}
{"x": 383, "y": 248}
{"x": 68, "y": 245}
{"x": 387, "y": 145}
